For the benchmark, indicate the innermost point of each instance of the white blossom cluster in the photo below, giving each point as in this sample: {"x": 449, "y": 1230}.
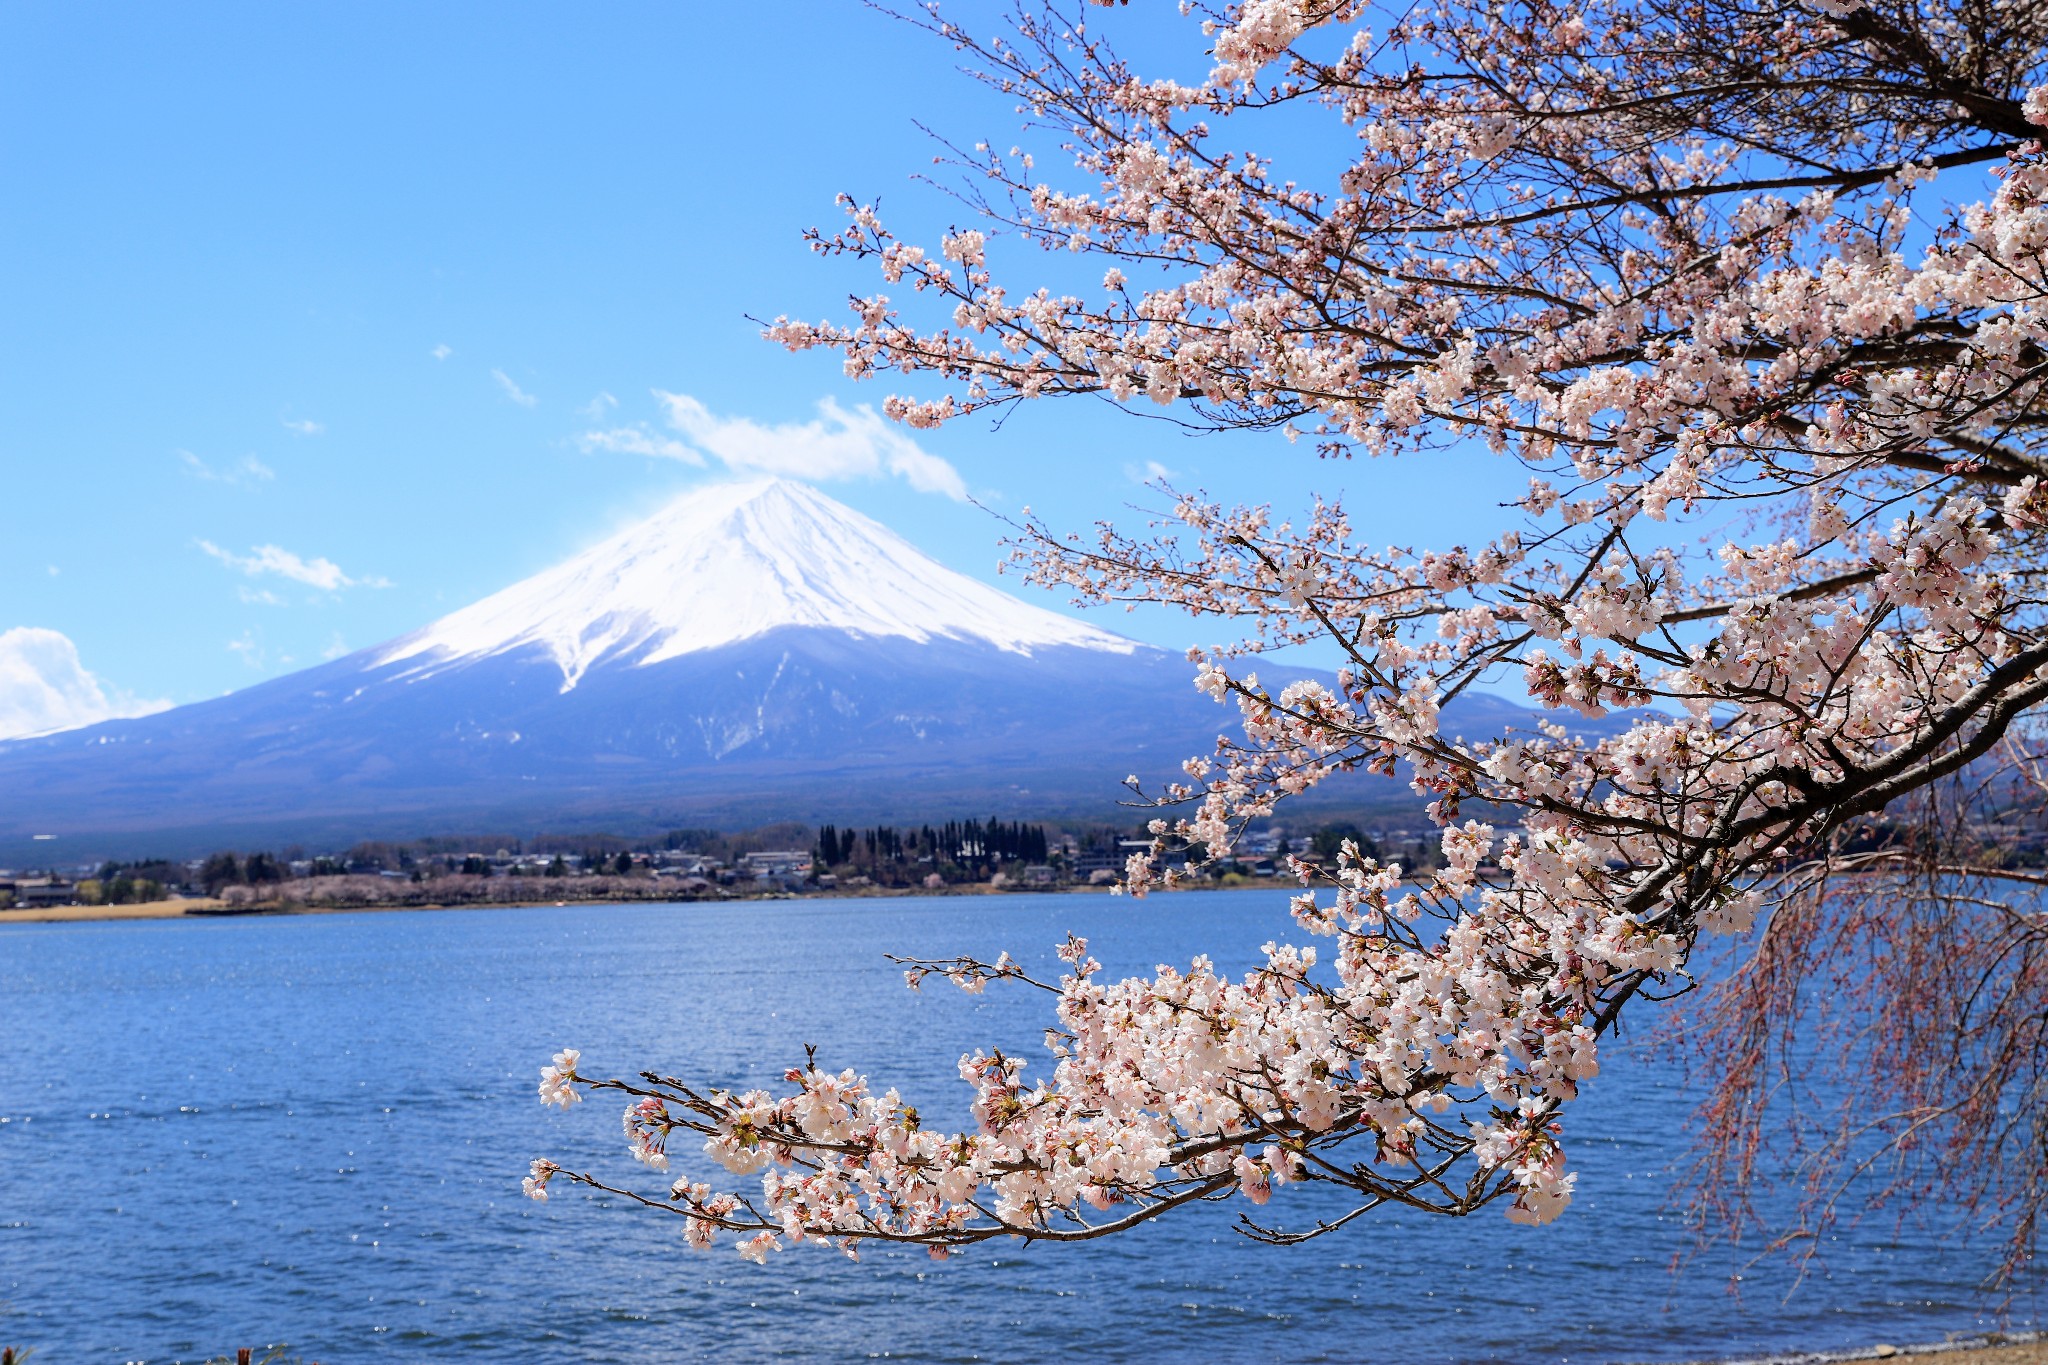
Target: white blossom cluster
{"x": 1785, "y": 511}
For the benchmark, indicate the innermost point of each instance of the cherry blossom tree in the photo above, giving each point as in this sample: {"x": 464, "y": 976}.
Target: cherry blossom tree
{"x": 1754, "y": 290}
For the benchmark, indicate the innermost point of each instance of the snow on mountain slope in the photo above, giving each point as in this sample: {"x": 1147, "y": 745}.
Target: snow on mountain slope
{"x": 729, "y": 563}
{"x": 752, "y": 653}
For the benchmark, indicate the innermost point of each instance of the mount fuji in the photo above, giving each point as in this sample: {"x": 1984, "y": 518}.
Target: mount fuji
{"x": 752, "y": 652}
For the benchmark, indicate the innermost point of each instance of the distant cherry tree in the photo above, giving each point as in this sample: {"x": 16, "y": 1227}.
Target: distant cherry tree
{"x": 1756, "y": 292}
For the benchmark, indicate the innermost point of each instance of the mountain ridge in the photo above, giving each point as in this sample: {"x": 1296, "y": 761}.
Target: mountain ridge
{"x": 750, "y": 654}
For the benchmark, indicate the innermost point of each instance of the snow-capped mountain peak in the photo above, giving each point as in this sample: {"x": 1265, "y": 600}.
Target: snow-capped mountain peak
{"x": 725, "y": 564}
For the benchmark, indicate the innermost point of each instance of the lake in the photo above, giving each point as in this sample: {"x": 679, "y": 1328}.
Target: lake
{"x": 310, "y": 1131}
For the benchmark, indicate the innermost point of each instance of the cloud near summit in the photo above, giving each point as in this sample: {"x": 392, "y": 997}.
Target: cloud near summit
{"x": 840, "y": 443}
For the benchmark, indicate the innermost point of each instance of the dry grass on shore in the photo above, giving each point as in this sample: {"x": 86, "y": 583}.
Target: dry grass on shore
{"x": 66, "y": 914}
{"x": 346, "y": 894}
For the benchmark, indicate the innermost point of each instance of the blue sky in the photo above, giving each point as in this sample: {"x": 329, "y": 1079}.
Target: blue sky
{"x": 306, "y": 311}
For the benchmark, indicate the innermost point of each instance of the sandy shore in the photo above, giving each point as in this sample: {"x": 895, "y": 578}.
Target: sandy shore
{"x": 63, "y": 914}
{"x": 199, "y": 909}
{"x": 208, "y": 909}
{"x": 2012, "y": 1348}
{"x": 2023, "y": 1353}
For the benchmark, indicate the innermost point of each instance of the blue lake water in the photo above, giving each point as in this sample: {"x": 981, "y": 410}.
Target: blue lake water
{"x": 310, "y": 1131}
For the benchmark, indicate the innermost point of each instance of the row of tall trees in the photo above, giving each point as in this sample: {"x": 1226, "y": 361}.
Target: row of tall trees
{"x": 966, "y": 847}
{"x": 231, "y": 869}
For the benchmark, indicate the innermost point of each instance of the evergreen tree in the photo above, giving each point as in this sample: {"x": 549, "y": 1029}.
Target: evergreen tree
{"x": 222, "y": 869}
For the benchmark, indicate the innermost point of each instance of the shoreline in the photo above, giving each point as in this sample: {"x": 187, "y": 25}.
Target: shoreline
{"x": 211, "y": 909}
{"x": 1977, "y": 1348}
{"x": 72, "y": 914}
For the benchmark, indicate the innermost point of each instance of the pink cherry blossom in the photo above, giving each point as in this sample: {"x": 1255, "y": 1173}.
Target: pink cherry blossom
{"x": 1777, "y": 391}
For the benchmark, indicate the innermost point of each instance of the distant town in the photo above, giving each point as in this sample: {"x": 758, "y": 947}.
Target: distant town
{"x": 784, "y": 859}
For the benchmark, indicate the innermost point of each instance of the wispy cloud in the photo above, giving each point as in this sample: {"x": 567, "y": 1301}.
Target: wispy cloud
{"x": 1149, "y": 472}
{"x": 597, "y": 408}
{"x": 841, "y": 443}
{"x": 45, "y": 687}
{"x": 244, "y": 472}
{"x": 261, "y": 597}
{"x": 638, "y": 441}
{"x": 513, "y": 391}
{"x": 250, "y": 650}
{"x": 303, "y": 427}
{"x": 442, "y": 351}
{"x": 323, "y": 574}
{"x": 336, "y": 647}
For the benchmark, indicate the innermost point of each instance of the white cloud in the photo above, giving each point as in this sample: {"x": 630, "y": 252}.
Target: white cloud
{"x": 245, "y": 471}
{"x": 303, "y": 427}
{"x": 513, "y": 391}
{"x": 44, "y": 687}
{"x": 840, "y": 444}
{"x": 262, "y": 597}
{"x": 336, "y": 647}
{"x": 323, "y": 574}
{"x": 248, "y": 648}
{"x": 442, "y": 351}
{"x": 597, "y": 407}
{"x": 54, "y": 571}
{"x": 1149, "y": 472}
{"x": 638, "y": 441}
